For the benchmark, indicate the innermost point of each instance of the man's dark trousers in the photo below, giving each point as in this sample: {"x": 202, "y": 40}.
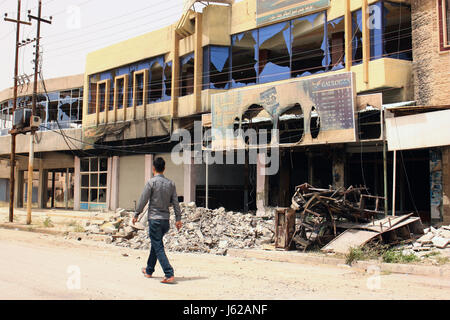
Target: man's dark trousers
{"x": 157, "y": 230}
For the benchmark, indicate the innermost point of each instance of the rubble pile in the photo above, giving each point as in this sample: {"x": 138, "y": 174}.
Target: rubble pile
{"x": 433, "y": 240}
{"x": 204, "y": 230}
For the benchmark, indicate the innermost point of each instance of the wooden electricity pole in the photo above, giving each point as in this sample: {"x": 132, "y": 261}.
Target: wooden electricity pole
{"x": 39, "y": 19}
{"x": 13, "y": 134}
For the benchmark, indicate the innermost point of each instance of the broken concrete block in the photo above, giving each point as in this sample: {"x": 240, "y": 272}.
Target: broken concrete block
{"x": 440, "y": 242}
{"x": 426, "y": 238}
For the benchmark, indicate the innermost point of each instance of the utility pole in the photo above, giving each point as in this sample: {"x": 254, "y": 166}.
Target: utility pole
{"x": 18, "y": 22}
{"x": 39, "y": 19}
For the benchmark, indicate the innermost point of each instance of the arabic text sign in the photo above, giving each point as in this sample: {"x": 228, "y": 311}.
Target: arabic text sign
{"x": 268, "y": 11}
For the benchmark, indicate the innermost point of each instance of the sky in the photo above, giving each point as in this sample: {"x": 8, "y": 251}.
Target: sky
{"x": 78, "y": 27}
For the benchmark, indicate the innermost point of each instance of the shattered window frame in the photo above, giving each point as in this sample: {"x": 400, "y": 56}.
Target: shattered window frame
{"x": 216, "y": 67}
{"x": 357, "y": 38}
{"x": 140, "y": 87}
{"x": 102, "y": 98}
{"x": 322, "y": 59}
{"x": 237, "y": 77}
{"x": 168, "y": 80}
{"x": 157, "y": 86}
{"x": 187, "y": 74}
{"x": 275, "y": 67}
{"x": 123, "y": 94}
{"x": 393, "y": 34}
{"x": 334, "y": 42}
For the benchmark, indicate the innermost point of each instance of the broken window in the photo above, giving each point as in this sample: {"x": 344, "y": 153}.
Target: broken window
{"x": 376, "y": 30}
{"x": 74, "y": 111}
{"x": 101, "y": 91}
{"x": 65, "y": 94}
{"x": 397, "y": 30}
{"x": 156, "y": 80}
{"x": 187, "y": 74}
{"x": 120, "y": 87}
{"x": 139, "y": 87}
{"x": 309, "y": 47}
{"x": 216, "y": 67}
{"x": 336, "y": 43}
{"x": 275, "y": 52}
{"x": 168, "y": 79}
{"x": 64, "y": 112}
{"x": 92, "y": 103}
{"x": 244, "y": 58}
{"x": 291, "y": 125}
{"x": 53, "y": 111}
{"x": 6, "y": 116}
{"x": 129, "y": 87}
{"x": 357, "y": 44}
{"x": 256, "y": 120}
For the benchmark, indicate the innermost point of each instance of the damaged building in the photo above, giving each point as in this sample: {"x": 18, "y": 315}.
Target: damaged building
{"x": 335, "y": 89}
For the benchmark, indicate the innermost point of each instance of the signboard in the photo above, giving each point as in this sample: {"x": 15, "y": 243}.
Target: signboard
{"x": 268, "y": 11}
{"x": 415, "y": 131}
{"x": 332, "y": 97}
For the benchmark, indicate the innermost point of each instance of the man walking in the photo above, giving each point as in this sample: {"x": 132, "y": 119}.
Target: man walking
{"x": 159, "y": 193}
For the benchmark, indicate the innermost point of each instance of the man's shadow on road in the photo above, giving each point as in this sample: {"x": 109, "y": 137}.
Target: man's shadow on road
{"x": 183, "y": 279}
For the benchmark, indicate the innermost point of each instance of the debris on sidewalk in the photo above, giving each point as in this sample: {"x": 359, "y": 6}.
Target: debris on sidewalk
{"x": 434, "y": 240}
{"x": 339, "y": 219}
{"x": 204, "y": 230}
{"x": 321, "y": 210}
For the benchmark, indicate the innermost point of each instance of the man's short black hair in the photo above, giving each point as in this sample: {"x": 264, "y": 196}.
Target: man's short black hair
{"x": 159, "y": 164}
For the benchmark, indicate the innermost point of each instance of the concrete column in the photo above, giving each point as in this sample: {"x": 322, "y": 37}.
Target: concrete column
{"x": 175, "y": 73}
{"x": 262, "y": 190}
{"x": 148, "y": 167}
{"x": 77, "y": 184}
{"x": 338, "y": 168}
{"x": 18, "y": 200}
{"x": 198, "y": 62}
{"x": 190, "y": 182}
{"x": 66, "y": 189}
{"x": 114, "y": 202}
{"x": 43, "y": 187}
{"x": 109, "y": 183}
{"x": 446, "y": 185}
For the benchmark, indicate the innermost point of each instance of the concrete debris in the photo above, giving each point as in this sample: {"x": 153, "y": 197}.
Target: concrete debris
{"x": 434, "y": 243}
{"x": 204, "y": 231}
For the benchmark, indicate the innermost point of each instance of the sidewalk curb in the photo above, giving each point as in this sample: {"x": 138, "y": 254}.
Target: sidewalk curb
{"x": 302, "y": 258}
{"x": 31, "y": 228}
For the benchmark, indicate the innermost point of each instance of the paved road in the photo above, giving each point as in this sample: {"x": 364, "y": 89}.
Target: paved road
{"x": 35, "y": 266}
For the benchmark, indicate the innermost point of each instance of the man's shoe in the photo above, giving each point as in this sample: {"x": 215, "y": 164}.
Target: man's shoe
{"x": 144, "y": 271}
{"x": 168, "y": 280}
